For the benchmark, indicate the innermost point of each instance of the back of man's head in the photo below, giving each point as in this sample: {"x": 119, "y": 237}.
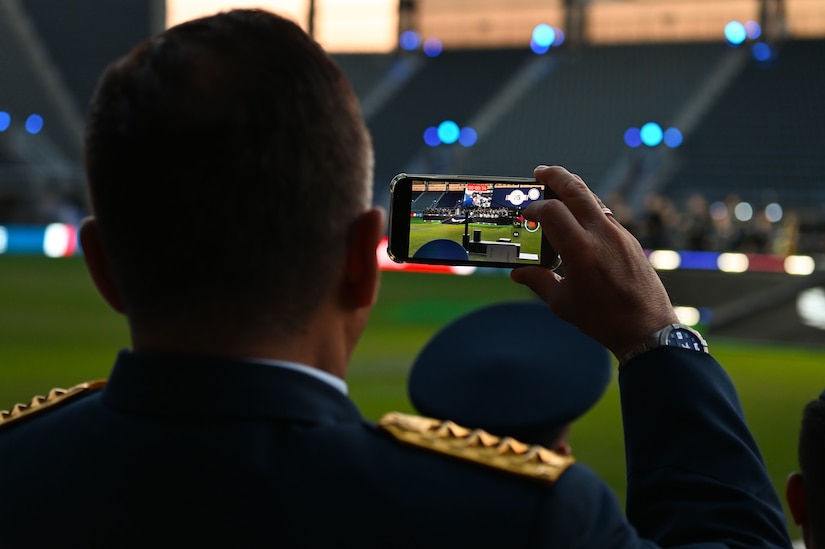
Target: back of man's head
{"x": 226, "y": 159}
{"x": 812, "y": 464}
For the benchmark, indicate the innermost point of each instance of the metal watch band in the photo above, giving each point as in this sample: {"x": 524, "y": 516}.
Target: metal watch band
{"x": 659, "y": 338}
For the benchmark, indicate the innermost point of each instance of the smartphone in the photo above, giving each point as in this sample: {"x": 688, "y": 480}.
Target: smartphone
{"x": 471, "y": 220}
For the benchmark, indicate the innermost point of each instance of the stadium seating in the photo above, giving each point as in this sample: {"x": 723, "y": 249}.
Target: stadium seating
{"x": 752, "y": 128}
{"x": 764, "y": 139}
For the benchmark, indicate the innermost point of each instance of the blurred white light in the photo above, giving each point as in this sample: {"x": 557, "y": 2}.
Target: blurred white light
{"x": 56, "y": 240}
{"x": 733, "y": 263}
{"x": 463, "y": 270}
{"x": 810, "y": 306}
{"x": 773, "y": 212}
{"x": 4, "y": 239}
{"x": 799, "y": 265}
{"x": 665, "y": 260}
{"x": 743, "y": 211}
{"x": 688, "y": 315}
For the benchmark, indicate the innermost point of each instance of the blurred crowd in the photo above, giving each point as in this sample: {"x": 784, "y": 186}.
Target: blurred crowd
{"x": 699, "y": 225}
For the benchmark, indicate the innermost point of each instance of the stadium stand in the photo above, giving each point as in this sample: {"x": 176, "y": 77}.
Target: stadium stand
{"x": 747, "y": 125}
{"x": 751, "y": 128}
{"x": 53, "y": 54}
{"x": 369, "y": 72}
{"x": 39, "y": 90}
{"x": 765, "y": 136}
{"x": 427, "y": 199}
{"x": 577, "y": 114}
{"x": 83, "y": 37}
{"x": 451, "y": 86}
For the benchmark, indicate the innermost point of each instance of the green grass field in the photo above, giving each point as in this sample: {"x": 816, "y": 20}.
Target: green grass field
{"x": 422, "y": 232}
{"x": 55, "y": 331}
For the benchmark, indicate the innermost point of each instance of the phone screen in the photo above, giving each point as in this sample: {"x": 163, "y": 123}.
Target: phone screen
{"x": 466, "y": 220}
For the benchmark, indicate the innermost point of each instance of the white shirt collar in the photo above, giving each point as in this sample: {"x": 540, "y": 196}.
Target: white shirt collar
{"x": 326, "y": 377}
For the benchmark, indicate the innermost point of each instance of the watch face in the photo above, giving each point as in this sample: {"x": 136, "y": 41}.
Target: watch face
{"x": 679, "y": 337}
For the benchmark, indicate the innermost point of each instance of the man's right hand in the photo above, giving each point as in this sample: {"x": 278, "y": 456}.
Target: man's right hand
{"x": 609, "y": 289}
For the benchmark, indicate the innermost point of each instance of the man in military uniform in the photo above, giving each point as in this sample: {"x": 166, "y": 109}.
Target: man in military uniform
{"x": 227, "y": 423}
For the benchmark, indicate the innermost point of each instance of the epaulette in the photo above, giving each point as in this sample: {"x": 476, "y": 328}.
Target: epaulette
{"x": 477, "y": 445}
{"x": 38, "y": 404}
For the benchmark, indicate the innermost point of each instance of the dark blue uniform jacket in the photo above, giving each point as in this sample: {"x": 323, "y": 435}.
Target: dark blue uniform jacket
{"x": 195, "y": 452}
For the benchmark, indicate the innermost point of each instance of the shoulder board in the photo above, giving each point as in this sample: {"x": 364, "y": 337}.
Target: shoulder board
{"x": 477, "y": 445}
{"x": 39, "y": 404}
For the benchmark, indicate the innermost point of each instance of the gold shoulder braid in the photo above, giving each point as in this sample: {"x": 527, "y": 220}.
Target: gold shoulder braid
{"x": 476, "y": 445}
{"x": 54, "y": 399}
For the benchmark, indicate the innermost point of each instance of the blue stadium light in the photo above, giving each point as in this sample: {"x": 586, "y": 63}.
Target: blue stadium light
{"x": 673, "y": 137}
{"x": 5, "y": 121}
{"x": 762, "y": 51}
{"x": 544, "y": 35}
{"x": 448, "y": 132}
{"x": 34, "y": 123}
{"x": 467, "y": 137}
{"x": 24, "y": 239}
{"x": 537, "y": 49}
{"x": 431, "y": 137}
{"x": 409, "y": 40}
{"x": 55, "y": 240}
{"x": 735, "y": 33}
{"x": 633, "y": 137}
{"x": 651, "y": 134}
{"x": 708, "y": 261}
{"x": 753, "y": 30}
{"x": 433, "y": 47}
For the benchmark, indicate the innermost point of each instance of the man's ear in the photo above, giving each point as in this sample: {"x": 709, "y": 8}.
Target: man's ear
{"x": 96, "y": 263}
{"x": 795, "y": 495}
{"x": 362, "y": 275}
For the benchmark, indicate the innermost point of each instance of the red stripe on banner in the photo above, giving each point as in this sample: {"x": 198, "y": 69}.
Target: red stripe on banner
{"x": 766, "y": 263}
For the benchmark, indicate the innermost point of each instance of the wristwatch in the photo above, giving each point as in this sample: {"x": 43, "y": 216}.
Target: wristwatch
{"x": 672, "y": 335}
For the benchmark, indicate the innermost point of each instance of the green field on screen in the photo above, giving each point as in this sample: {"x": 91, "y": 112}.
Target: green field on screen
{"x": 422, "y": 232}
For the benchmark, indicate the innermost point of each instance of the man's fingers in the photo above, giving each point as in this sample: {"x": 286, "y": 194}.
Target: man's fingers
{"x": 574, "y": 192}
{"x": 543, "y": 282}
{"x": 558, "y": 224}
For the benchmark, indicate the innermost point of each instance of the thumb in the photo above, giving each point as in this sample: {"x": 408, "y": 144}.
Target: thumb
{"x": 542, "y": 281}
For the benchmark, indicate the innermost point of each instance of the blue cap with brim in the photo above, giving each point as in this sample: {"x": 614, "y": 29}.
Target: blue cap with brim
{"x": 512, "y": 369}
